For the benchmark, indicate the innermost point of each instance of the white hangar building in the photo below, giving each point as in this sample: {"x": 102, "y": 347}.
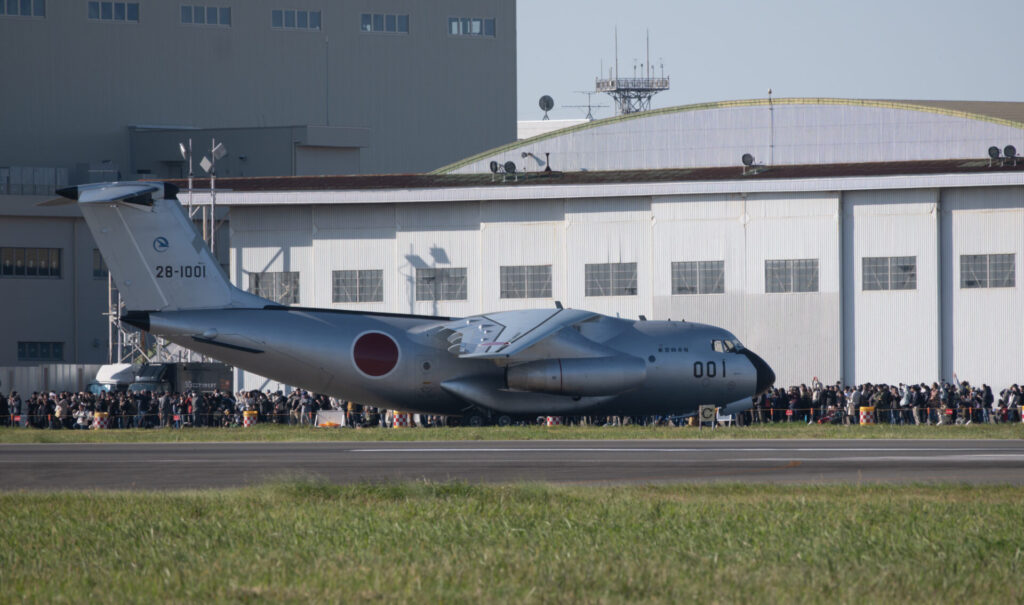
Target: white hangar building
{"x": 870, "y": 241}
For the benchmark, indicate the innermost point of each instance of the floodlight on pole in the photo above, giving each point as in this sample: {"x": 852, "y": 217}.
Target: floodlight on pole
{"x": 186, "y": 154}
{"x": 217, "y": 151}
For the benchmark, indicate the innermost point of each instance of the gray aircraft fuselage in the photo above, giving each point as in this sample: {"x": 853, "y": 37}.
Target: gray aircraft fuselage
{"x": 316, "y": 349}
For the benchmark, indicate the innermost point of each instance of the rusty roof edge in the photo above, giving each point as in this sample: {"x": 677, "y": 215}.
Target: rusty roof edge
{"x": 651, "y": 188}
{"x": 405, "y": 182}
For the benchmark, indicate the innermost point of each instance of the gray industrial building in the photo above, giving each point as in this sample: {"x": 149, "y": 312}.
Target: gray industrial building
{"x": 101, "y": 90}
{"x": 292, "y": 86}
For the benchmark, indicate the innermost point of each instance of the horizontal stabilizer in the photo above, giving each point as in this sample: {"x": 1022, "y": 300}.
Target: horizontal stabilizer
{"x": 131, "y": 192}
{"x": 157, "y": 258}
{"x": 57, "y": 201}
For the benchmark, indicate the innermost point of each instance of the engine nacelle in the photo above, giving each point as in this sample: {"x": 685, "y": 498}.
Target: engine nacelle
{"x": 586, "y": 377}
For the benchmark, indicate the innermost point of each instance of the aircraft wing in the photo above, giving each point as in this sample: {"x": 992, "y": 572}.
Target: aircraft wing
{"x": 507, "y": 333}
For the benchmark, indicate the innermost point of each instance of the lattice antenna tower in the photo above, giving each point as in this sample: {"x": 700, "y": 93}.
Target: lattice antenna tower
{"x": 632, "y": 94}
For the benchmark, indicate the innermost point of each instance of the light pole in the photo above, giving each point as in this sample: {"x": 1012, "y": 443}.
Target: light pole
{"x": 186, "y": 154}
{"x": 217, "y": 151}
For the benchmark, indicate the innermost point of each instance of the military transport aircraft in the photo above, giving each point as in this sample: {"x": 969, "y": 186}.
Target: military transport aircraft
{"x": 494, "y": 366}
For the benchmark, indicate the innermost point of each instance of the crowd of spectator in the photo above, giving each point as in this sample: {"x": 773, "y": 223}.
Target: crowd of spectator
{"x": 123, "y": 410}
{"x": 945, "y": 403}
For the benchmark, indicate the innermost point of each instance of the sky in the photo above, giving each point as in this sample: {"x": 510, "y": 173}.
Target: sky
{"x": 718, "y": 50}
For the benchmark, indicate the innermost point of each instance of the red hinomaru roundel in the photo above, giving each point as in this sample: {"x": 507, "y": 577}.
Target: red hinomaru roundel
{"x": 375, "y": 354}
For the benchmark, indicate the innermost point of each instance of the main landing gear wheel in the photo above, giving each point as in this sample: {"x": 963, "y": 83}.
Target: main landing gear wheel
{"x": 475, "y": 420}
{"x": 504, "y": 420}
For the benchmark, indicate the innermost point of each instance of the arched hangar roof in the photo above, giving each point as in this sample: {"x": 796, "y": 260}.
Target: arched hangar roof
{"x": 779, "y": 131}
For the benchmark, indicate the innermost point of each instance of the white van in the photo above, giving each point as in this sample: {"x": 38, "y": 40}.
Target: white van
{"x": 113, "y": 377}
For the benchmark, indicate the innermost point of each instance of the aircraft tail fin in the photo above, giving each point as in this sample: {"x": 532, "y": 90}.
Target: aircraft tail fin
{"x": 157, "y": 258}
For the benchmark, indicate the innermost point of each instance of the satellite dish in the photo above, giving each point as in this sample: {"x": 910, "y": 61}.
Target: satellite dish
{"x": 748, "y": 160}
{"x": 546, "y": 103}
{"x": 1010, "y": 151}
{"x": 993, "y": 152}
{"x": 494, "y": 167}
{"x": 510, "y": 167}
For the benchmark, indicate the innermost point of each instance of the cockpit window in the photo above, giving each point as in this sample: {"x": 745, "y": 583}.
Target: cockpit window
{"x": 726, "y": 346}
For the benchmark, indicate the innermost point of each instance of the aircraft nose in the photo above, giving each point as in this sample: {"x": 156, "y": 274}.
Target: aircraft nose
{"x": 765, "y": 375}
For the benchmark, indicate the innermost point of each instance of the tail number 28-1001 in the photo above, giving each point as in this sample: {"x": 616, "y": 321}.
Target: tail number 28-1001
{"x": 181, "y": 271}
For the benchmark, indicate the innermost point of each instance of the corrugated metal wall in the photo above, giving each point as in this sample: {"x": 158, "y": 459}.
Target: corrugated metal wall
{"x": 984, "y": 327}
{"x": 608, "y": 230}
{"x": 357, "y": 237}
{"x": 891, "y": 336}
{"x": 438, "y": 235}
{"x": 798, "y": 332}
{"x": 274, "y": 239}
{"x": 530, "y": 233}
{"x": 47, "y": 377}
{"x": 699, "y": 228}
{"x": 68, "y": 309}
{"x": 840, "y": 332}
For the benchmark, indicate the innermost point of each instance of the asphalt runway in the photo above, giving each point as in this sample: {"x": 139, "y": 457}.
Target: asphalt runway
{"x": 203, "y": 465}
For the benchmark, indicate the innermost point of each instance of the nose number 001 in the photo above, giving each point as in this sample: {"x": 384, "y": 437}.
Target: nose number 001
{"x": 709, "y": 369}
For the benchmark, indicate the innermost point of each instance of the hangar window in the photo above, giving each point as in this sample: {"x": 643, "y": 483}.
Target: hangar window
{"x": 279, "y": 286}
{"x": 610, "y": 279}
{"x": 23, "y": 8}
{"x": 698, "y": 277}
{"x": 988, "y": 271}
{"x": 791, "y": 275}
{"x": 295, "y": 19}
{"x": 99, "y": 266}
{"x": 29, "y": 262}
{"x": 363, "y": 285}
{"x": 526, "y": 281}
{"x": 441, "y": 284}
{"x": 118, "y": 12}
{"x": 393, "y": 24}
{"x": 193, "y": 14}
{"x": 40, "y": 351}
{"x": 471, "y": 26}
{"x": 889, "y": 272}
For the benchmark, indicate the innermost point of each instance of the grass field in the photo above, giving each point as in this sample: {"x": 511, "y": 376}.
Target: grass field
{"x": 272, "y": 432}
{"x": 457, "y": 543}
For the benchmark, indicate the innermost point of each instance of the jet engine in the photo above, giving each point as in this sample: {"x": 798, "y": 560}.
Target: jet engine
{"x": 591, "y": 376}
